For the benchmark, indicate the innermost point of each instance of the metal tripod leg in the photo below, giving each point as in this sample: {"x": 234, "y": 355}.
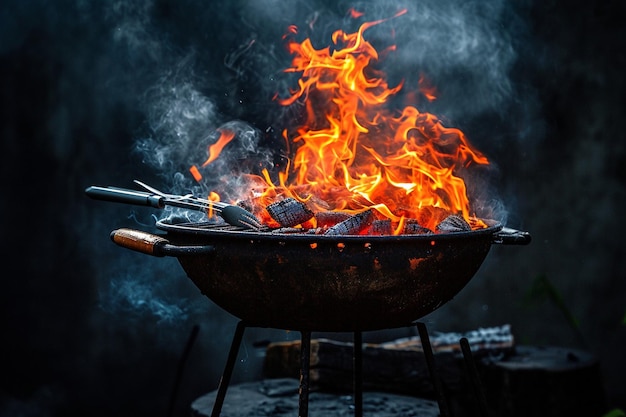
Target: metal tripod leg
{"x": 474, "y": 377}
{"x": 358, "y": 374}
{"x": 228, "y": 370}
{"x": 444, "y": 410}
{"x": 305, "y": 363}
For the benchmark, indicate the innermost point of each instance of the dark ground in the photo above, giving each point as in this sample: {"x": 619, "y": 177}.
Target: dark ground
{"x": 279, "y": 398}
{"x": 89, "y": 329}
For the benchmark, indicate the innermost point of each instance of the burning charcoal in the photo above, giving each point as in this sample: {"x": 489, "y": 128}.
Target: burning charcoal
{"x": 352, "y": 225}
{"x": 288, "y": 230}
{"x": 381, "y": 227}
{"x": 245, "y": 204}
{"x": 412, "y": 227}
{"x": 330, "y": 218}
{"x": 453, "y": 223}
{"x": 289, "y": 212}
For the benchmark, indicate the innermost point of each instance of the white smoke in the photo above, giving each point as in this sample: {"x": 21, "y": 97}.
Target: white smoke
{"x": 129, "y": 296}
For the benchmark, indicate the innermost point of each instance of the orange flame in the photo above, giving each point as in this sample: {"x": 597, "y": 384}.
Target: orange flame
{"x": 353, "y": 153}
{"x": 355, "y": 14}
{"x": 427, "y": 89}
{"x": 214, "y": 151}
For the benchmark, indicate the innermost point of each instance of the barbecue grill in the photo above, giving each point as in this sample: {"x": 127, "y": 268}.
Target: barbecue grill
{"x": 315, "y": 282}
{"x": 319, "y": 282}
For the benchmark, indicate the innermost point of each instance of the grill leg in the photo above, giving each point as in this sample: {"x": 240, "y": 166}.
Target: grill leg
{"x": 305, "y": 363}
{"x": 358, "y": 374}
{"x": 474, "y": 378}
{"x": 430, "y": 362}
{"x": 228, "y": 370}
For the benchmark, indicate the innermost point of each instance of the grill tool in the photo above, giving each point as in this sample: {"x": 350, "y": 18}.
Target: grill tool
{"x": 233, "y": 215}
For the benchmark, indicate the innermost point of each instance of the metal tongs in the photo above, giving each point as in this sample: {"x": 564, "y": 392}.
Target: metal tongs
{"x": 233, "y": 215}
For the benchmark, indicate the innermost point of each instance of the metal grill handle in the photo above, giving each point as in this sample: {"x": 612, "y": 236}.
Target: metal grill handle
{"x": 508, "y": 236}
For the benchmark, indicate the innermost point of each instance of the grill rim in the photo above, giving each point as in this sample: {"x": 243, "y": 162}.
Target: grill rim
{"x": 215, "y": 230}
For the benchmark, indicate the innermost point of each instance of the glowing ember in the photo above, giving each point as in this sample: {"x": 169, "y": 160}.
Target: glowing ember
{"x": 214, "y": 151}
{"x": 353, "y": 153}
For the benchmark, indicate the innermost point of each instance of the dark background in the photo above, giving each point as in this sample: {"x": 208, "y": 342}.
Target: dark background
{"x": 95, "y": 92}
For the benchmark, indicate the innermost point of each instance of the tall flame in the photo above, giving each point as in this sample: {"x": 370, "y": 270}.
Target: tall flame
{"x": 353, "y": 153}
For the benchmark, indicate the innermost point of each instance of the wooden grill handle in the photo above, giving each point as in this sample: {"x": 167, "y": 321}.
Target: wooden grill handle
{"x": 151, "y": 244}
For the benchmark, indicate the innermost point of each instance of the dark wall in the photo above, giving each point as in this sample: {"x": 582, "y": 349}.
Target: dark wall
{"x": 100, "y": 92}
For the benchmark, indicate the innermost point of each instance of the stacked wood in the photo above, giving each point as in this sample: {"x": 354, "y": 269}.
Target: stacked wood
{"x": 397, "y": 366}
{"x": 517, "y": 380}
